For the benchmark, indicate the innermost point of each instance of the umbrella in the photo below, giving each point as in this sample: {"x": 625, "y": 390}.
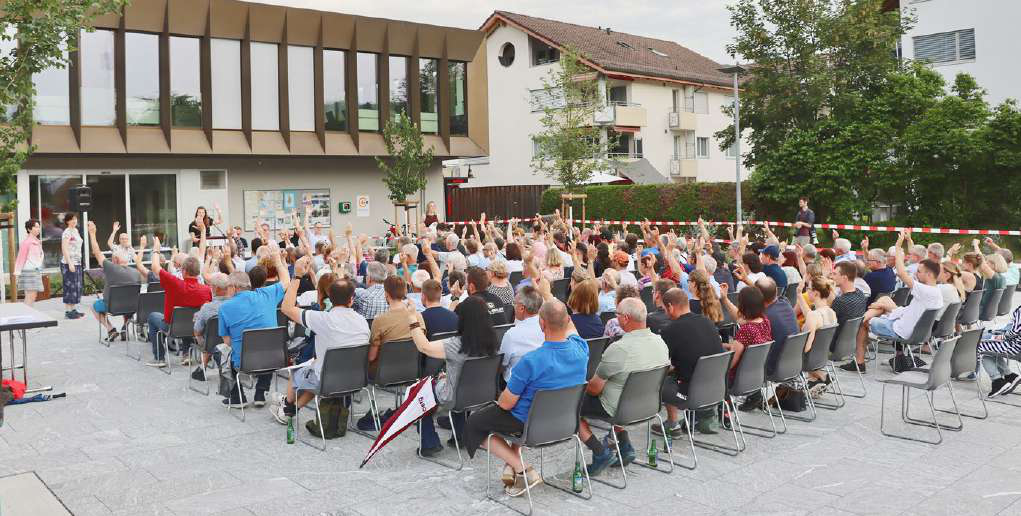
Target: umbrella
{"x": 418, "y": 401}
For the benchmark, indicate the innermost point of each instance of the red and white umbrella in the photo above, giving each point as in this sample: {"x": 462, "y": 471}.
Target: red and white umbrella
{"x": 419, "y": 400}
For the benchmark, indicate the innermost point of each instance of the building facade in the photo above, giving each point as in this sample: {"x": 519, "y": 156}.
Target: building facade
{"x": 971, "y": 37}
{"x": 663, "y": 101}
{"x": 254, "y": 109}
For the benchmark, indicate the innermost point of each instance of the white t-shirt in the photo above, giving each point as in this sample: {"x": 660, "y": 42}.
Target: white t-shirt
{"x": 338, "y": 328}
{"x": 627, "y": 278}
{"x": 924, "y": 297}
{"x": 752, "y": 277}
{"x": 74, "y": 246}
{"x": 950, "y": 296}
{"x": 566, "y": 258}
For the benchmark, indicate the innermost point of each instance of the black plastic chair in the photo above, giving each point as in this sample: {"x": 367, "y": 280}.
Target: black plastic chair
{"x": 845, "y": 344}
{"x": 122, "y": 301}
{"x": 148, "y": 302}
{"x": 647, "y": 298}
{"x": 927, "y": 380}
{"x": 154, "y": 286}
{"x": 970, "y": 309}
{"x": 180, "y": 326}
{"x": 708, "y": 388}
{"x": 477, "y": 386}
{"x": 607, "y": 317}
{"x": 345, "y": 372}
{"x": 501, "y": 330}
{"x": 515, "y": 278}
{"x": 749, "y": 378}
{"x": 596, "y": 347}
{"x": 263, "y": 351}
{"x": 210, "y": 339}
{"x": 550, "y": 422}
{"x": 920, "y": 334}
{"x": 640, "y": 402}
{"x": 788, "y": 370}
{"x": 946, "y": 326}
{"x": 397, "y": 366}
{"x": 791, "y": 293}
{"x": 900, "y": 296}
{"x": 559, "y": 288}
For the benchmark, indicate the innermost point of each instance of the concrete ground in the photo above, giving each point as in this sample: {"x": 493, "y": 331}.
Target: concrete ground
{"x": 130, "y": 440}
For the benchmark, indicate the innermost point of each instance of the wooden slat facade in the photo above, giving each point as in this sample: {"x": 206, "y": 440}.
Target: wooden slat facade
{"x": 497, "y": 202}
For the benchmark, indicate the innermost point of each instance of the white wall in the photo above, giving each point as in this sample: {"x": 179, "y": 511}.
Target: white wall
{"x": 995, "y": 22}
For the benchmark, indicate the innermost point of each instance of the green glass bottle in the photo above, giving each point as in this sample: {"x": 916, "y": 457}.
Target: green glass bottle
{"x": 290, "y": 430}
{"x": 576, "y": 477}
{"x": 653, "y": 451}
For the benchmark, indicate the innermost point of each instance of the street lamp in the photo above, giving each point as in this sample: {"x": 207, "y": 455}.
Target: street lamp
{"x": 736, "y": 70}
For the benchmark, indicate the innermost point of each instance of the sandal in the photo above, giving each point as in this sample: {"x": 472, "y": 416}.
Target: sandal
{"x": 112, "y": 335}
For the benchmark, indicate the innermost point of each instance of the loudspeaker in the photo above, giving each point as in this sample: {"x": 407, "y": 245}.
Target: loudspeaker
{"x": 80, "y": 198}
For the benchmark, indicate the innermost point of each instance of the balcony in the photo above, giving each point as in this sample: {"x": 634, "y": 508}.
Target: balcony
{"x": 683, "y": 167}
{"x": 682, "y": 121}
{"x": 623, "y": 114}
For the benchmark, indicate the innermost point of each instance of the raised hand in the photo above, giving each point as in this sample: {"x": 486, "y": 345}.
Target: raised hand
{"x": 141, "y": 242}
{"x": 116, "y": 226}
{"x": 92, "y": 228}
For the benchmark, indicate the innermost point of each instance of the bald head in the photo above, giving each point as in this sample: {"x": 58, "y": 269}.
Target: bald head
{"x": 767, "y": 286}
{"x": 554, "y": 320}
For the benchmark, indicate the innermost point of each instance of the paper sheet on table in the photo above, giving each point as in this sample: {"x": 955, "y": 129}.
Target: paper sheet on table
{"x": 17, "y": 319}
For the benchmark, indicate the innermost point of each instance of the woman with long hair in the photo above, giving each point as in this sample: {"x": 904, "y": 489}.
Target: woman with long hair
{"x": 202, "y": 215}
{"x": 29, "y": 265}
{"x": 430, "y": 214}
{"x": 817, "y": 295}
{"x": 750, "y": 314}
{"x": 71, "y": 266}
{"x": 703, "y": 298}
{"x": 602, "y": 261}
{"x": 476, "y": 338}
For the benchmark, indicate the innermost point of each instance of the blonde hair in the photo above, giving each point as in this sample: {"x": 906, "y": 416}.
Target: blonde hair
{"x": 584, "y": 297}
{"x": 955, "y": 278}
{"x": 553, "y": 259}
{"x": 711, "y": 308}
{"x": 608, "y": 281}
{"x": 498, "y": 268}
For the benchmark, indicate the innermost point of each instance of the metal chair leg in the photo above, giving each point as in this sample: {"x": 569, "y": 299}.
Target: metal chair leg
{"x": 620, "y": 460}
{"x": 726, "y": 450}
{"x": 649, "y": 442}
{"x": 931, "y": 397}
{"x": 197, "y": 358}
{"x": 457, "y": 446}
{"x": 837, "y": 390}
{"x": 319, "y": 419}
{"x": 808, "y": 401}
{"x": 688, "y": 422}
{"x": 882, "y": 418}
{"x": 764, "y": 392}
{"x": 981, "y": 398}
{"x": 162, "y": 337}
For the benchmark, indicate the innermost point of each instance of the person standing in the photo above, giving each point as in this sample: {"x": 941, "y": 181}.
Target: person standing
{"x": 29, "y": 265}
{"x": 804, "y": 222}
{"x": 430, "y": 214}
{"x": 70, "y": 266}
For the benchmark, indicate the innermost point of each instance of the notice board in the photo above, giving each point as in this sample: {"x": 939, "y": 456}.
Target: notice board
{"x": 275, "y": 207}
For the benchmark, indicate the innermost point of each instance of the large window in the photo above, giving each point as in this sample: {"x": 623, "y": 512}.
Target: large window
{"x": 458, "y": 98}
{"x": 265, "y": 93}
{"x": 542, "y": 53}
{"x": 48, "y": 203}
{"x": 368, "y": 92}
{"x": 300, "y": 89}
{"x": 98, "y": 94}
{"x": 226, "y": 60}
{"x": 702, "y": 147}
{"x": 945, "y": 47}
{"x": 398, "y": 86}
{"x": 334, "y": 95}
{"x": 52, "y": 92}
{"x": 428, "y": 89}
{"x": 185, "y": 86}
{"x": 142, "y": 85}
{"x": 154, "y": 207}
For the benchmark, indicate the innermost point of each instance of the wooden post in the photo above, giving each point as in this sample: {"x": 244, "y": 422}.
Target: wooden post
{"x": 8, "y": 222}
{"x": 566, "y": 198}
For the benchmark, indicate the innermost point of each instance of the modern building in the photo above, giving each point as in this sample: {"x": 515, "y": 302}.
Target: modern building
{"x": 970, "y": 37}
{"x": 662, "y": 100}
{"x": 257, "y": 109}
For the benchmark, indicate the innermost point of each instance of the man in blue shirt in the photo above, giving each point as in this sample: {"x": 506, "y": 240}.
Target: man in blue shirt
{"x": 768, "y": 256}
{"x": 249, "y": 310}
{"x": 881, "y": 278}
{"x": 562, "y": 361}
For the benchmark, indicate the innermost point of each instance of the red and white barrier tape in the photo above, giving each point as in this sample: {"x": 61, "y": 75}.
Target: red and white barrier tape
{"x": 854, "y": 227}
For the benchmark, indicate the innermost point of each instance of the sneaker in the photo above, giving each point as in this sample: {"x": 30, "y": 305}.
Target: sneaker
{"x": 260, "y": 399}
{"x": 198, "y": 375}
{"x": 234, "y": 404}
{"x": 627, "y": 451}
{"x": 816, "y": 388}
{"x": 1013, "y": 380}
{"x": 279, "y": 415}
{"x": 850, "y": 367}
{"x": 600, "y": 462}
{"x": 72, "y": 315}
{"x": 430, "y": 452}
{"x": 967, "y": 377}
{"x": 518, "y": 488}
{"x": 111, "y": 335}
{"x": 156, "y": 363}
{"x": 673, "y": 432}
{"x": 276, "y": 398}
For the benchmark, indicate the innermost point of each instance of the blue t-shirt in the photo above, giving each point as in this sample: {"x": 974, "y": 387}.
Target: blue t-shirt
{"x": 439, "y": 320}
{"x": 588, "y": 326}
{"x": 779, "y": 276}
{"x": 879, "y": 281}
{"x": 249, "y": 310}
{"x": 555, "y": 365}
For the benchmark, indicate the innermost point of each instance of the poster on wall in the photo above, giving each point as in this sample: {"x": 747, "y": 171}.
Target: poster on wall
{"x": 276, "y": 207}
{"x": 362, "y": 203}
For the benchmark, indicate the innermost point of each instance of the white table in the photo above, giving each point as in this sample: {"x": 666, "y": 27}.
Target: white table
{"x": 16, "y": 318}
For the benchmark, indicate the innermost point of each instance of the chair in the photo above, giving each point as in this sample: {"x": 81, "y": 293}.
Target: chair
{"x": 515, "y": 278}
{"x": 211, "y": 338}
{"x": 845, "y": 343}
{"x": 749, "y": 378}
{"x": 920, "y": 334}
{"x": 1006, "y": 302}
{"x": 123, "y": 301}
{"x": 550, "y": 422}
{"x": 148, "y": 302}
{"x": 817, "y": 359}
{"x": 180, "y": 326}
{"x": 708, "y": 388}
{"x": 640, "y": 402}
{"x": 345, "y": 372}
{"x": 791, "y": 293}
{"x": 963, "y": 362}
{"x": 154, "y": 286}
{"x": 500, "y": 330}
{"x": 900, "y": 296}
{"x": 396, "y": 367}
{"x": 991, "y": 306}
{"x": 946, "y": 326}
{"x": 429, "y": 366}
{"x": 969, "y": 310}
{"x": 788, "y": 369}
{"x": 282, "y": 319}
{"x": 646, "y": 294}
{"x": 607, "y": 316}
{"x": 263, "y": 351}
{"x": 478, "y": 386}
{"x": 596, "y": 347}
{"x": 927, "y": 380}
{"x": 559, "y": 288}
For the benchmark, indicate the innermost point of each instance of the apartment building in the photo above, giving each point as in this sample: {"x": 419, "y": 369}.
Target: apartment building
{"x": 256, "y": 109}
{"x": 663, "y": 101}
{"x": 970, "y": 37}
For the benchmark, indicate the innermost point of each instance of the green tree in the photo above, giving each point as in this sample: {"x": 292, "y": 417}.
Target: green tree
{"x": 43, "y": 31}
{"x": 407, "y": 158}
{"x": 570, "y": 148}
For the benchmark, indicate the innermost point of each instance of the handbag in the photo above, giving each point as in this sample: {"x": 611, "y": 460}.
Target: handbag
{"x": 789, "y": 399}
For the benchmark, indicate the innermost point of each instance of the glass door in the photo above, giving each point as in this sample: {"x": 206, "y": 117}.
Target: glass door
{"x": 108, "y": 205}
{"x": 154, "y": 207}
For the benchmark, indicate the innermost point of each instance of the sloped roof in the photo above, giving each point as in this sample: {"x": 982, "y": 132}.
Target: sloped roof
{"x": 621, "y": 52}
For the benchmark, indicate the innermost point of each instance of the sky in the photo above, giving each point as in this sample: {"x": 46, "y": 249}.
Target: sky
{"x": 701, "y": 25}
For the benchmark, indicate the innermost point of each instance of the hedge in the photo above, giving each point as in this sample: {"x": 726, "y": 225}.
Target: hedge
{"x": 711, "y": 201}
